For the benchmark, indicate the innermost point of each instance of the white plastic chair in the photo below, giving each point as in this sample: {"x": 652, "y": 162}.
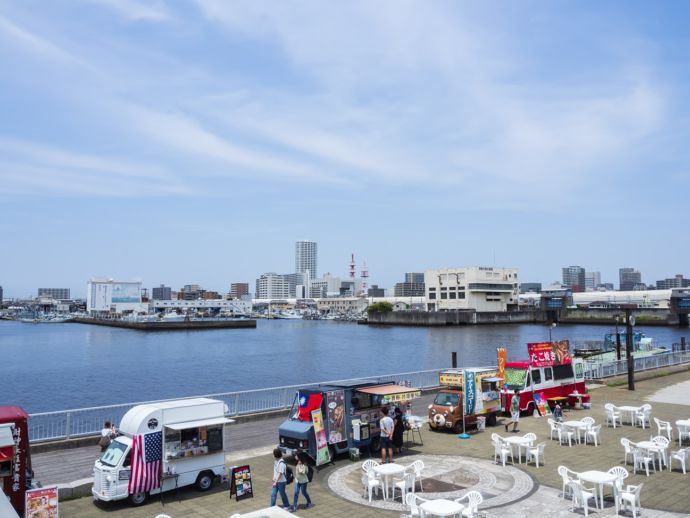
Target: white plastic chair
{"x": 664, "y": 427}
{"x": 566, "y": 477}
{"x": 613, "y": 415}
{"x": 588, "y": 420}
{"x": 536, "y": 452}
{"x": 502, "y": 450}
{"x": 552, "y": 427}
{"x": 683, "y": 431}
{"x": 679, "y": 455}
{"x": 531, "y": 436}
{"x": 643, "y": 415}
{"x": 621, "y": 474}
{"x": 565, "y": 433}
{"x": 663, "y": 443}
{"x": 631, "y": 496}
{"x": 640, "y": 458}
{"x": 593, "y": 433}
{"x": 472, "y": 500}
{"x": 628, "y": 449}
{"x": 412, "y": 501}
{"x": 581, "y": 496}
{"x": 406, "y": 485}
{"x": 368, "y": 465}
{"x": 371, "y": 483}
{"x": 417, "y": 467}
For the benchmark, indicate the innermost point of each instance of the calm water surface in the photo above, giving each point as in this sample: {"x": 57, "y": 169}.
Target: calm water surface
{"x": 60, "y": 366}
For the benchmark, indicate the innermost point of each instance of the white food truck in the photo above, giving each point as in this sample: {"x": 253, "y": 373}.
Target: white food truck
{"x": 178, "y": 443}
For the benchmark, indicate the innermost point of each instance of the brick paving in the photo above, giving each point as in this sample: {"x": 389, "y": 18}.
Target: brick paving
{"x": 666, "y": 491}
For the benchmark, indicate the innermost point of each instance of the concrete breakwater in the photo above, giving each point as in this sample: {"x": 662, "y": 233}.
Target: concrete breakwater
{"x": 170, "y": 326}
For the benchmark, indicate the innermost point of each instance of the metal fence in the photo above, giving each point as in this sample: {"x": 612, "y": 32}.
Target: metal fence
{"x": 66, "y": 424}
{"x": 597, "y": 369}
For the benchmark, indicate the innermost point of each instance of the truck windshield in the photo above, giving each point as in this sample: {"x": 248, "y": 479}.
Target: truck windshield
{"x": 111, "y": 457}
{"x": 445, "y": 399}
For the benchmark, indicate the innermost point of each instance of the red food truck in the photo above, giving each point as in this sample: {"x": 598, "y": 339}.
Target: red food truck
{"x": 14, "y": 454}
{"x": 550, "y": 372}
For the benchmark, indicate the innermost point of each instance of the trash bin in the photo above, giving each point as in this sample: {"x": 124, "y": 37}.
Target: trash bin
{"x": 481, "y": 422}
{"x": 354, "y": 454}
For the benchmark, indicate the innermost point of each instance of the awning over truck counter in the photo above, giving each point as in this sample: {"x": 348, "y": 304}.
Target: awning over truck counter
{"x": 201, "y": 422}
{"x": 492, "y": 380}
{"x": 392, "y": 393}
{"x": 6, "y": 435}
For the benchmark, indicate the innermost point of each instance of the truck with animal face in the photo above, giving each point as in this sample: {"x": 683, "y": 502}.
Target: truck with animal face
{"x": 465, "y": 395}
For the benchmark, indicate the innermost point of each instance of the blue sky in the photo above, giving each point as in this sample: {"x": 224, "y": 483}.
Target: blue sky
{"x": 195, "y": 142}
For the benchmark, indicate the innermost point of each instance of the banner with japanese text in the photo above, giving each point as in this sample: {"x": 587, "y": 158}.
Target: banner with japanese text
{"x": 501, "y": 356}
{"x": 547, "y": 354}
{"x": 470, "y": 393}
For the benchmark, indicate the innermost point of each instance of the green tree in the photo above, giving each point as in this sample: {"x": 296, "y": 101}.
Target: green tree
{"x": 380, "y": 307}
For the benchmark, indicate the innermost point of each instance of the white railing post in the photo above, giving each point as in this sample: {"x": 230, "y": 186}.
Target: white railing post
{"x": 68, "y": 425}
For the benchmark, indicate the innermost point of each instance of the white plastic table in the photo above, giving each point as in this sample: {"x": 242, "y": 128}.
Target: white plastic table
{"x": 520, "y": 442}
{"x": 440, "y": 507}
{"x": 631, "y": 410}
{"x": 387, "y": 471}
{"x": 653, "y": 447}
{"x": 269, "y": 512}
{"x": 576, "y": 425}
{"x": 600, "y": 478}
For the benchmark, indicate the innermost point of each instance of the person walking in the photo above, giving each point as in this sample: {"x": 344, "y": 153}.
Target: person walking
{"x": 514, "y": 411}
{"x": 301, "y": 481}
{"x": 398, "y": 430}
{"x": 279, "y": 480}
{"x": 386, "y": 424}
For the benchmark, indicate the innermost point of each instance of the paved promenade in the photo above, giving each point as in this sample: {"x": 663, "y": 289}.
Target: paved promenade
{"x": 663, "y": 494}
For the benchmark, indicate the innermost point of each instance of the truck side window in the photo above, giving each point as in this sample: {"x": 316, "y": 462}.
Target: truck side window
{"x": 128, "y": 460}
{"x": 548, "y": 374}
{"x": 527, "y": 382}
{"x": 536, "y": 376}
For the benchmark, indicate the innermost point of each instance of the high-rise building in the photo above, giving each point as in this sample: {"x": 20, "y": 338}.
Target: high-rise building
{"x": 306, "y": 258}
{"x": 161, "y": 293}
{"x": 238, "y": 289}
{"x": 0, "y": 295}
{"x": 190, "y": 292}
{"x": 54, "y": 293}
{"x": 272, "y": 286}
{"x": 676, "y": 282}
{"x": 414, "y": 277}
{"x": 375, "y": 291}
{"x": 629, "y": 278}
{"x": 530, "y": 287}
{"x": 574, "y": 278}
{"x": 592, "y": 280}
{"x": 412, "y": 287}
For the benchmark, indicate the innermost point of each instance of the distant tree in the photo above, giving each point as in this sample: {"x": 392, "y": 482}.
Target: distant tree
{"x": 380, "y": 307}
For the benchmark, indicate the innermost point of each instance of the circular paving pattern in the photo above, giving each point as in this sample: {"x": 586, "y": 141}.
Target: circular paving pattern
{"x": 444, "y": 476}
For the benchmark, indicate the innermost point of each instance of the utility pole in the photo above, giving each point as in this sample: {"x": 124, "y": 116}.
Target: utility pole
{"x": 629, "y": 323}
{"x": 618, "y": 340}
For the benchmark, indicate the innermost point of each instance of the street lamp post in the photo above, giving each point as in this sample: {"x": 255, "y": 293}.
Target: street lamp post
{"x": 629, "y": 323}
{"x": 552, "y": 326}
{"x": 618, "y": 340}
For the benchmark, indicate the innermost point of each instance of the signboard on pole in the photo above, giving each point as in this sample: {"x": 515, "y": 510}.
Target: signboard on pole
{"x": 501, "y": 356}
{"x": 470, "y": 393}
{"x": 322, "y": 454}
{"x": 548, "y": 354}
{"x": 41, "y": 502}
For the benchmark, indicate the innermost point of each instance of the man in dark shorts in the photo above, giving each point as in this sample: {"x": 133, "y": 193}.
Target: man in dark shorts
{"x": 386, "y": 425}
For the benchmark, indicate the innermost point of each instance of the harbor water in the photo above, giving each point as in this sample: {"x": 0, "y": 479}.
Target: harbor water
{"x": 50, "y": 367}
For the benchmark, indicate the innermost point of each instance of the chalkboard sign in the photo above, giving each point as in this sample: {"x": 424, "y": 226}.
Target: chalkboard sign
{"x": 241, "y": 482}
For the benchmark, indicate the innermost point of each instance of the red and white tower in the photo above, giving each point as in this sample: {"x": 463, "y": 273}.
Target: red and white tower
{"x": 352, "y": 268}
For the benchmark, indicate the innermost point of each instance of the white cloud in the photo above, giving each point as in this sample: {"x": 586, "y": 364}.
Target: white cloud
{"x": 131, "y": 9}
{"x": 41, "y": 47}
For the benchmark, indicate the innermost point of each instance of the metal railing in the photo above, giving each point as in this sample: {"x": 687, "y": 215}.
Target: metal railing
{"x": 81, "y": 422}
{"x": 596, "y": 369}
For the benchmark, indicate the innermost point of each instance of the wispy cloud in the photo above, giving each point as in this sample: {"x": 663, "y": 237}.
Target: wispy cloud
{"x": 155, "y": 11}
{"x": 38, "y": 46}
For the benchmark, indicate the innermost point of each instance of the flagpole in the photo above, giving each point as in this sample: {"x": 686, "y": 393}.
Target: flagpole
{"x": 464, "y": 435}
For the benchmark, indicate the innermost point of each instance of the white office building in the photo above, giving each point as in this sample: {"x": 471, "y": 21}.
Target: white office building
{"x": 306, "y": 258}
{"x": 479, "y": 288}
{"x": 110, "y": 296}
{"x": 272, "y": 286}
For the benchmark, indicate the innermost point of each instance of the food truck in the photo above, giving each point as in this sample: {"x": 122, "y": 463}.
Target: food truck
{"x": 163, "y": 446}
{"x": 15, "y": 461}
{"x": 474, "y": 392}
{"x": 551, "y": 371}
{"x": 330, "y": 419}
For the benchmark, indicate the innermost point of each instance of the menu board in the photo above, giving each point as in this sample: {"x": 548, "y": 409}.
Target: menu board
{"x": 241, "y": 482}
{"x": 336, "y": 416}
{"x": 322, "y": 454}
{"x": 42, "y": 503}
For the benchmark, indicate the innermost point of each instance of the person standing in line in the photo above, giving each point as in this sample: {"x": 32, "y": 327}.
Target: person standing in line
{"x": 514, "y": 411}
{"x": 279, "y": 480}
{"x": 398, "y": 430}
{"x": 386, "y": 426}
{"x": 301, "y": 480}
{"x": 107, "y": 434}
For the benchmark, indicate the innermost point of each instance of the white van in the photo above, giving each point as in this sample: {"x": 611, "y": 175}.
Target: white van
{"x": 192, "y": 444}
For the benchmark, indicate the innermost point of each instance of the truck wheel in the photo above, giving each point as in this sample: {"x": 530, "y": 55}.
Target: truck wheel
{"x": 137, "y": 499}
{"x": 204, "y": 481}
{"x": 491, "y": 420}
{"x": 457, "y": 427}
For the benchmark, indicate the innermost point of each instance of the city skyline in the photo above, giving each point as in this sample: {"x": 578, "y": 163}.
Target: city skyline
{"x": 196, "y": 142}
